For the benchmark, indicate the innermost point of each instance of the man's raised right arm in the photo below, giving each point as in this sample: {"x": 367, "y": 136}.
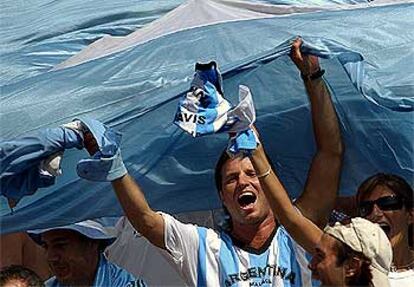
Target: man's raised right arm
{"x": 145, "y": 220}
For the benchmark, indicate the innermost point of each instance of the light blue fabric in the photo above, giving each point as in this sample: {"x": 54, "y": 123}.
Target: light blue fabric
{"x": 108, "y": 274}
{"x": 198, "y": 111}
{"x": 102, "y": 168}
{"x": 136, "y": 92}
{"x": 245, "y": 141}
{"x": 106, "y": 164}
{"x": 19, "y": 160}
{"x": 203, "y": 109}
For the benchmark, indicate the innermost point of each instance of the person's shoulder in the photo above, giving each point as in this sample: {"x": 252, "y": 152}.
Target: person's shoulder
{"x": 171, "y": 219}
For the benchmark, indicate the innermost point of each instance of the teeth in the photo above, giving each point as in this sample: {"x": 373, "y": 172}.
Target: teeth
{"x": 246, "y": 193}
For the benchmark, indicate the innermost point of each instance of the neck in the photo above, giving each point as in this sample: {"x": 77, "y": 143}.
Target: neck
{"x": 254, "y": 236}
{"x": 402, "y": 255}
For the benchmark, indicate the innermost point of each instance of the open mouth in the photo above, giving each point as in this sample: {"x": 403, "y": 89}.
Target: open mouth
{"x": 384, "y": 226}
{"x": 246, "y": 199}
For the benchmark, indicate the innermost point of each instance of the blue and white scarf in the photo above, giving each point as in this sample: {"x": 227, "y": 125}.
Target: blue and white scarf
{"x": 203, "y": 110}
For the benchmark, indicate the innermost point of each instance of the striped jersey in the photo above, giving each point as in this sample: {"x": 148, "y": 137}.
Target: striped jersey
{"x": 205, "y": 257}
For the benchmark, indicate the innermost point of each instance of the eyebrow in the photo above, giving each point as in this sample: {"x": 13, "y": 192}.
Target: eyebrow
{"x": 231, "y": 174}
{"x": 57, "y": 240}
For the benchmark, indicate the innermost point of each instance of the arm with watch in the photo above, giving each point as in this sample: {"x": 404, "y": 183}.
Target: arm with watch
{"x": 320, "y": 193}
{"x": 319, "y": 196}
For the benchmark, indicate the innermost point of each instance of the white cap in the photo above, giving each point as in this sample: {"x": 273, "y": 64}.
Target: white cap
{"x": 97, "y": 229}
{"x": 369, "y": 239}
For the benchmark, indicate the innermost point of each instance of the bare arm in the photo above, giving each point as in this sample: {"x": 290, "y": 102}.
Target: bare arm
{"x": 347, "y": 205}
{"x": 302, "y": 230}
{"x": 145, "y": 220}
{"x": 324, "y": 173}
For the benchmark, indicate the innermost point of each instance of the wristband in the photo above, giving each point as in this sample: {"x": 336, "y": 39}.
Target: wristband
{"x": 266, "y": 173}
{"x": 314, "y": 76}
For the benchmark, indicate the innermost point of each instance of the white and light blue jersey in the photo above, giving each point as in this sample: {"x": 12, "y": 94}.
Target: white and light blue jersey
{"x": 204, "y": 257}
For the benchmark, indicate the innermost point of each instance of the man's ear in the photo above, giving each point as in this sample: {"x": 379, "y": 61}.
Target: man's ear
{"x": 353, "y": 266}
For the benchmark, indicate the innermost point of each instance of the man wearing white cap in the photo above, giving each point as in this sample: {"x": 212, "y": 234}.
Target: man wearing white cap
{"x": 365, "y": 243}
{"x": 75, "y": 256}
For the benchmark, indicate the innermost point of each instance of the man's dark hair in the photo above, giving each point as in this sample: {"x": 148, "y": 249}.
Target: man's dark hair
{"x": 397, "y": 185}
{"x": 224, "y": 157}
{"x": 20, "y": 273}
{"x": 225, "y": 224}
{"x": 361, "y": 278}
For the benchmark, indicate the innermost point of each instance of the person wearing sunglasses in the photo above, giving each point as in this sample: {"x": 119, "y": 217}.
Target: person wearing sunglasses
{"x": 387, "y": 199}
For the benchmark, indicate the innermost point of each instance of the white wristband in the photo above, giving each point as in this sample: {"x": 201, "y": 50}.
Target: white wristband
{"x": 266, "y": 173}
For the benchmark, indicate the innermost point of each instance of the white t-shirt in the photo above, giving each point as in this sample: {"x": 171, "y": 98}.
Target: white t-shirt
{"x": 204, "y": 257}
{"x": 136, "y": 254}
{"x": 402, "y": 279}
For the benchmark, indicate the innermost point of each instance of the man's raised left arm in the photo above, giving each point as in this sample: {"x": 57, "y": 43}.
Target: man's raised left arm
{"x": 322, "y": 184}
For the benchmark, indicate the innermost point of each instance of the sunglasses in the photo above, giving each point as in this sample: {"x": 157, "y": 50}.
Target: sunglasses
{"x": 385, "y": 203}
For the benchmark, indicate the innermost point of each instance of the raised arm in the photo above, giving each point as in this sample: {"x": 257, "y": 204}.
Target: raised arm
{"x": 145, "y": 220}
{"x": 302, "y": 230}
{"x": 324, "y": 173}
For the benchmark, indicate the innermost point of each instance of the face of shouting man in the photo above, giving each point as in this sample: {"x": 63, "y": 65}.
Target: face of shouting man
{"x": 242, "y": 194}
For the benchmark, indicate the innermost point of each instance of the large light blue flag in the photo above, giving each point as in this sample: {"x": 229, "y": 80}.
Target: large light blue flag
{"x": 133, "y": 84}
